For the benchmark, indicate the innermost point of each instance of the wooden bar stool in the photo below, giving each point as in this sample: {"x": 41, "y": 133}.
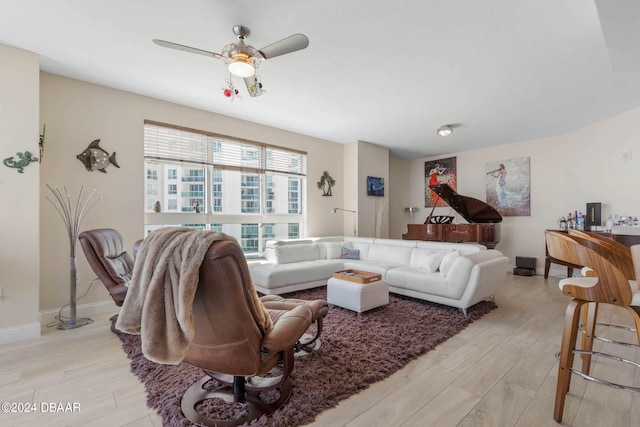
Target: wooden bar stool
{"x": 605, "y": 246}
{"x": 608, "y": 284}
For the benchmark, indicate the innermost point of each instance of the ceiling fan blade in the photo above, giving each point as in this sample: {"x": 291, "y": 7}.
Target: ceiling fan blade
{"x": 287, "y": 45}
{"x": 184, "y": 48}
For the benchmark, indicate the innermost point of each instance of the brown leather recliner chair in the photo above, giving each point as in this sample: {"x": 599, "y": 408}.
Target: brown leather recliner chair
{"x": 229, "y": 343}
{"x": 107, "y": 254}
{"x": 319, "y": 309}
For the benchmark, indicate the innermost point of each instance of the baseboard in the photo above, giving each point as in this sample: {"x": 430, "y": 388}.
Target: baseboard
{"x": 560, "y": 272}
{"x": 82, "y": 310}
{"x": 19, "y": 333}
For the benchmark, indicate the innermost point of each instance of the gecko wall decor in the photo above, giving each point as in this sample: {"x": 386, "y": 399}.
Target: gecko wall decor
{"x": 24, "y": 160}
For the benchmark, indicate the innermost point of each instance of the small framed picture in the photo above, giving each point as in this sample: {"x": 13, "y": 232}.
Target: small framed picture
{"x": 375, "y": 186}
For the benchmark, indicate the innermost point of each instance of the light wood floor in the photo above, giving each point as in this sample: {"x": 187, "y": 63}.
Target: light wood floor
{"x": 500, "y": 371}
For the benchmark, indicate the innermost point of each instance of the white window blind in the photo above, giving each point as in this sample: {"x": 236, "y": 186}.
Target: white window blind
{"x": 171, "y": 143}
{"x": 166, "y": 143}
{"x": 280, "y": 160}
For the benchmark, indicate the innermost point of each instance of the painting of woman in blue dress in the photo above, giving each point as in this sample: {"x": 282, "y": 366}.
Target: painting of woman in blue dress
{"x": 507, "y": 186}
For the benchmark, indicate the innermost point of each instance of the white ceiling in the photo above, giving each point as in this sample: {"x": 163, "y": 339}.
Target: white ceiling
{"x": 384, "y": 72}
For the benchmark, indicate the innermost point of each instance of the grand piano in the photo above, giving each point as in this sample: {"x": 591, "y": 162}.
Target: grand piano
{"x": 484, "y": 221}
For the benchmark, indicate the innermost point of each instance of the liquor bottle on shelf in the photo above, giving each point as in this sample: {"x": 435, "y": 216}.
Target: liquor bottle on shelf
{"x": 580, "y": 222}
{"x": 609, "y": 224}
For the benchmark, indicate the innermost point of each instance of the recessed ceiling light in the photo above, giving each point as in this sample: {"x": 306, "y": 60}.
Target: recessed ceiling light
{"x": 444, "y": 130}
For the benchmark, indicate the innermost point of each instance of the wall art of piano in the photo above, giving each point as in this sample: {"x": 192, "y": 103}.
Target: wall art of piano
{"x": 483, "y": 228}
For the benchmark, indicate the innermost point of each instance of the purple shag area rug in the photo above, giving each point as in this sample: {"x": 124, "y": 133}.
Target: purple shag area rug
{"x": 356, "y": 352}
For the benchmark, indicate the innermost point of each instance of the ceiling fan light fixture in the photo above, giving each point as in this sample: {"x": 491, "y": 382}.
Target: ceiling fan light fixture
{"x": 242, "y": 68}
{"x": 242, "y": 59}
{"x": 444, "y": 130}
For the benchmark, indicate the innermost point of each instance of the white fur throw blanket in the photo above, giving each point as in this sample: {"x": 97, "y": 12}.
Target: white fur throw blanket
{"x": 159, "y": 301}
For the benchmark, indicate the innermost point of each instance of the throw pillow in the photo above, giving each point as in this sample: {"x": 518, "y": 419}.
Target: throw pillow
{"x": 426, "y": 259}
{"x": 350, "y": 253}
{"x": 447, "y": 262}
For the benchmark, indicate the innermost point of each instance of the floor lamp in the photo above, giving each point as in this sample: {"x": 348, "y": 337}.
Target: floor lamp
{"x": 335, "y": 210}
{"x": 73, "y": 216}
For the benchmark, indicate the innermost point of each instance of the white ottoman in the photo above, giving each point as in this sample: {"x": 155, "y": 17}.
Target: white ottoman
{"x": 357, "y": 297}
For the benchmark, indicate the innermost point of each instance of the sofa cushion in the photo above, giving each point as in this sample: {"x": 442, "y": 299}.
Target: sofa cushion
{"x": 463, "y": 248}
{"x": 275, "y": 276}
{"x": 350, "y": 253}
{"x": 419, "y": 280}
{"x": 296, "y": 253}
{"x": 378, "y": 267}
{"x": 333, "y": 249}
{"x": 390, "y": 253}
{"x": 396, "y": 242}
{"x": 426, "y": 259}
{"x": 447, "y": 262}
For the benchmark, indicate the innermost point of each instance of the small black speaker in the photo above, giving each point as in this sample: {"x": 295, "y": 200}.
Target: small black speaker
{"x": 593, "y": 217}
{"x": 525, "y": 266}
{"x": 525, "y": 262}
{"x": 521, "y": 271}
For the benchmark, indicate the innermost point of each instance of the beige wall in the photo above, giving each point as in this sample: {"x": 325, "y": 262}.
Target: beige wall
{"x": 362, "y": 159}
{"x": 19, "y": 193}
{"x": 77, "y": 112}
{"x": 373, "y": 160}
{"x": 350, "y": 199}
{"x": 567, "y": 172}
{"x": 399, "y": 197}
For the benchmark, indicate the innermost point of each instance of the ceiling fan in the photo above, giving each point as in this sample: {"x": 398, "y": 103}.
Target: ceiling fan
{"x": 243, "y": 59}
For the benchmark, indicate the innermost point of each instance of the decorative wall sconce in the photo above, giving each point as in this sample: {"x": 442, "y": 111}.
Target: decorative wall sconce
{"x": 412, "y": 210}
{"x": 24, "y": 160}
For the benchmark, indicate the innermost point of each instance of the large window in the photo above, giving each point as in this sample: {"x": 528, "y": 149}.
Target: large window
{"x": 250, "y": 190}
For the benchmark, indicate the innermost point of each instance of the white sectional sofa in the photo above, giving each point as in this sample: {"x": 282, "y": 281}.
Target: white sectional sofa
{"x": 454, "y": 274}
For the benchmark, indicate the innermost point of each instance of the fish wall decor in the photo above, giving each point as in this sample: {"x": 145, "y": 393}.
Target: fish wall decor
{"x": 95, "y": 158}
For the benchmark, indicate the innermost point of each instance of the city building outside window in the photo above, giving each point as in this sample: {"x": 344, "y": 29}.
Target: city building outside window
{"x": 250, "y": 190}
{"x": 294, "y": 195}
{"x": 294, "y": 230}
